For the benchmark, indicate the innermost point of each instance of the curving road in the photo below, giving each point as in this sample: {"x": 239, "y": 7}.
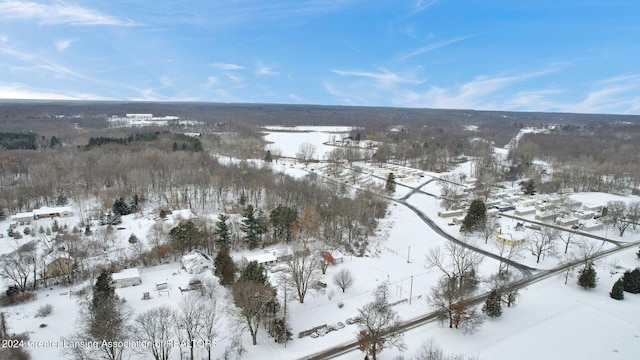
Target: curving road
{"x": 525, "y": 270}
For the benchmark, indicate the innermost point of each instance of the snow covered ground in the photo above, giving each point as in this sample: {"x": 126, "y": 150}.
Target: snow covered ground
{"x": 551, "y": 320}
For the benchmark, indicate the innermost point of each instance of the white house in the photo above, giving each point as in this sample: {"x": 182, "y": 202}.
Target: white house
{"x": 262, "y": 259}
{"x": 51, "y": 212}
{"x": 42, "y": 213}
{"x": 126, "y": 277}
{"x": 196, "y": 262}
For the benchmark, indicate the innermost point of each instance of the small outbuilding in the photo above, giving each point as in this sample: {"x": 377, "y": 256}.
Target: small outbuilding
{"x": 126, "y": 277}
{"x": 333, "y": 257}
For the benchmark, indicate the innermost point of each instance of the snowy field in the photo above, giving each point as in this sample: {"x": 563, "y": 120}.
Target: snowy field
{"x": 288, "y": 139}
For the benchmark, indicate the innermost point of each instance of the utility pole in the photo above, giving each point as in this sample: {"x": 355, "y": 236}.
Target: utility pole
{"x": 408, "y": 253}
{"x": 285, "y": 316}
{"x": 411, "y": 290}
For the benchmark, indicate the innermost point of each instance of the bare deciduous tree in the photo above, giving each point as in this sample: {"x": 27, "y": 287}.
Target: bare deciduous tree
{"x": 190, "y": 320}
{"x": 461, "y": 263}
{"x": 307, "y": 152}
{"x": 302, "y": 271}
{"x": 431, "y": 351}
{"x": 378, "y": 324}
{"x": 450, "y": 190}
{"x": 542, "y": 243}
{"x": 19, "y": 266}
{"x": 156, "y": 327}
{"x": 251, "y": 297}
{"x": 453, "y": 303}
{"x": 507, "y": 252}
{"x": 344, "y": 279}
{"x": 489, "y": 229}
{"x": 633, "y": 213}
{"x": 617, "y": 215}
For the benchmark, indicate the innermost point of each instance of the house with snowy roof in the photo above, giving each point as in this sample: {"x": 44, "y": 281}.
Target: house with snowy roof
{"x": 196, "y": 262}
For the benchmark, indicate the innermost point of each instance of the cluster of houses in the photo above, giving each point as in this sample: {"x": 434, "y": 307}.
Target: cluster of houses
{"x": 556, "y": 208}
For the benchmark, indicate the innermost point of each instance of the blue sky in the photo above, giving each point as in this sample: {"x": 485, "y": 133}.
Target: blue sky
{"x": 561, "y": 55}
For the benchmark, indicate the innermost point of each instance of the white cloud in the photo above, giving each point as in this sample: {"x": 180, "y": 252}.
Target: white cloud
{"x": 484, "y": 92}
{"x": 57, "y": 13}
{"x": 421, "y": 5}
{"x": 62, "y": 45}
{"x": 264, "y": 70}
{"x": 211, "y": 81}
{"x": 234, "y": 12}
{"x": 20, "y": 91}
{"x": 431, "y": 47}
{"x": 4, "y": 39}
{"x": 299, "y": 99}
{"x": 232, "y": 77}
{"x": 226, "y": 66}
{"x": 383, "y": 78}
{"x": 165, "y": 81}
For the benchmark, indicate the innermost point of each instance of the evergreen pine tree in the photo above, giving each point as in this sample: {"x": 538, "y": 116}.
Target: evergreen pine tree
{"x": 631, "y": 281}
{"x": 253, "y": 226}
{"x": 254, "y": 272}
{"x": 225, "y": 267}
{"x": 476, "y": 217}
{"x": 103, "y": 291}
{"x": 617, "y": 291}
{"x": 390, "y": 186}
{"x": 529, "y": 187}
{"x": 268, "y": 157}
{"x": 587, "y": 278}
{"x": 493, "y": 305}
{"x": 222, "y": 229}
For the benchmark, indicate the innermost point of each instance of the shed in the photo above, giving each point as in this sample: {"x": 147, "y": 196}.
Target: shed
{"x": 126, "y": 277}
{"x": 196, "y": 262}
{"x": 450, "y": 213}
{"x": 334, "y": 257}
